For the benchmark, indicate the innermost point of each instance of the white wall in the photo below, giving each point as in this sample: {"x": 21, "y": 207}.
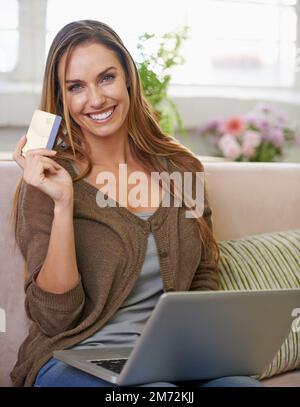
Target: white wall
{"x": 214, "y": 103}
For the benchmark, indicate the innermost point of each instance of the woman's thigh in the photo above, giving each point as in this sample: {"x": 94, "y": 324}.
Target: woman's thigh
{"x": 57, "y": 374}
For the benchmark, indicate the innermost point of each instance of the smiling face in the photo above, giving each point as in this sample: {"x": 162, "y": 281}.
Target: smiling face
{"x": 96, "y": 90}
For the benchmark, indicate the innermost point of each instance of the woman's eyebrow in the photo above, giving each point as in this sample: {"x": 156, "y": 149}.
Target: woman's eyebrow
{"x": 98, "y": 76}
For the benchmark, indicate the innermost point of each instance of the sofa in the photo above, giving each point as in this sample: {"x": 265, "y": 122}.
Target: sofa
{"x": 246, "y": 199}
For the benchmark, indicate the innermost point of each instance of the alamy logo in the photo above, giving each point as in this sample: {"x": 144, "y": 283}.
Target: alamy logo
{"x": 2, "y": 320}
{"x": 186, "y": 185}
{"x": 296, "y": 321}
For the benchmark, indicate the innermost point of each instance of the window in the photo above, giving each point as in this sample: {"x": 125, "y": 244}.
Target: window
{"x": 231, "y": 43}
{"x": 248, "y": 43}
{"x": 9, "y": 35}
{"x": 128, "y": 18}
{"x": 241, "y": 43}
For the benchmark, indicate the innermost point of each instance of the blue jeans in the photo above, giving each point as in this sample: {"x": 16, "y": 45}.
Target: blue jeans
{"x": 57, "y": 374}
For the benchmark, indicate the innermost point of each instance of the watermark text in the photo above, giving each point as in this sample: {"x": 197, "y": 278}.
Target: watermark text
{"x": 188, "y": 190}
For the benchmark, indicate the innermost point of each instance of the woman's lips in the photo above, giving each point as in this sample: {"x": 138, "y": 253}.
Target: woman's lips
{"x": 102, "y": 117}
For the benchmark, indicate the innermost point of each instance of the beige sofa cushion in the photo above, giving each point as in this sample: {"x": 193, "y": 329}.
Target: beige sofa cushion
{"x": 253, "y": 198}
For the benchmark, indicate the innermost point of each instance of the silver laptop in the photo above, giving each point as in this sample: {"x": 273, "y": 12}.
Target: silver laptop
{"x": 197, "y": 335}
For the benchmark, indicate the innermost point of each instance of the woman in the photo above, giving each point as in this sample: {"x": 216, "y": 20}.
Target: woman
{"x": 95, "y": 273}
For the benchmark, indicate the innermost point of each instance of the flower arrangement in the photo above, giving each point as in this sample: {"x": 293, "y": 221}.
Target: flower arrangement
{"x": 259, "y": 135}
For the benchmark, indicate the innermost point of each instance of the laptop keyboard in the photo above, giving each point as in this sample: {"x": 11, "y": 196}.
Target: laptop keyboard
{"x": 115, "y": 365}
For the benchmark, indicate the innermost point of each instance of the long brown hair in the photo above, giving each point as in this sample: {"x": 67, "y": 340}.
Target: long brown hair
{"x": 146, "y": 139}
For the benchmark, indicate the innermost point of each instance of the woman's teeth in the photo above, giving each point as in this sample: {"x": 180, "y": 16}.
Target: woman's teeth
{"x": 102, "y": 116}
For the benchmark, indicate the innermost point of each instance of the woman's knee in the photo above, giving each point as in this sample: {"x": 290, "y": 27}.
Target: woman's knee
{"x": 158, "y": 384}
{"x": 233, "y": 381}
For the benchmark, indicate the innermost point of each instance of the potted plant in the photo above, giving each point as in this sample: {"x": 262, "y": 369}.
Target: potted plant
{"x": 159, "y": 54}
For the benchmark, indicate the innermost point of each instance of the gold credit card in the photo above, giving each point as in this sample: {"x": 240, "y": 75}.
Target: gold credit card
{"x": 42, "y": 131}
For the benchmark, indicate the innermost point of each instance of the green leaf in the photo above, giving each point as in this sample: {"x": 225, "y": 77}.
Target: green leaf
{"x": 155, "y": 75}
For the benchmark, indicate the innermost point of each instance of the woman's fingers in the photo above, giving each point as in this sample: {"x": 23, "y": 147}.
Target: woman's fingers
{"x": 38, "y": 152}
{"x": 49, "y": 167}
{"x": 44, "y": 159}
{"x": 41, "y": 170}
{"x": 36, "y": 173}
{"x": 17, "y": 155}
{"x": 41, "y": 151}
{"x": 36, "y": 164}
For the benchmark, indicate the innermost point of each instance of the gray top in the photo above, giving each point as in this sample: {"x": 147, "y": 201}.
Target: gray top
{"x": 128, "y": 322}
{"x": 126, "y": 325}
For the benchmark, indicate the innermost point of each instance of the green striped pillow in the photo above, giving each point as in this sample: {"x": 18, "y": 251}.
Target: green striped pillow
{"x": 266, "y": 261}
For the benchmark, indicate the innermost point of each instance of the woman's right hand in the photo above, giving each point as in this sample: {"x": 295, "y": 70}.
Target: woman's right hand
{"x": 42, "y": 172}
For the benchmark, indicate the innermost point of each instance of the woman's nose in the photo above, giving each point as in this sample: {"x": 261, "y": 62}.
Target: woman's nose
{"x": 96, "y": 97}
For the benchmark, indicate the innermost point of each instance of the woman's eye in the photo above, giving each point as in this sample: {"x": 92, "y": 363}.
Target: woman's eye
{"x": 74, "y": 87}
{"x": 108, "y": 77}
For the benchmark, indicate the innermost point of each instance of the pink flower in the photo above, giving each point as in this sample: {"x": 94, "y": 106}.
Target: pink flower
{"x": 265, "y": 108}
{"x": 247, "y": 150}
{"x": 209, "y": 127}
{"x": 229, "y": 147}
{"x": 234, "y": 126}
{"x": 282, "y": 118}
{"x": 251, "y": 140}
{"x": 276, "y": 137}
